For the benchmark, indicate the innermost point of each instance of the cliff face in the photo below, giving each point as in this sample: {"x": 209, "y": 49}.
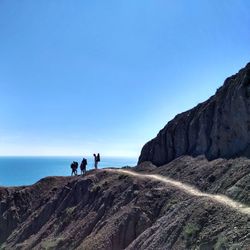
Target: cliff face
{"x": 218, "y": 127}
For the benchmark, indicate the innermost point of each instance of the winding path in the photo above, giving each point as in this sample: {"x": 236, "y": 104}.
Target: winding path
{"x": 222, "y": 199}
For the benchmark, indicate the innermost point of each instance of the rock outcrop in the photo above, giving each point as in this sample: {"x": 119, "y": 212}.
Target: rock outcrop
{"x": 218, "y": 127}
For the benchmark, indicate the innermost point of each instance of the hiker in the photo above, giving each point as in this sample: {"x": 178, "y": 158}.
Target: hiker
{"x": 83, "y": 166}
{"x": 74, "y": 166}
{"x": 96, "y": 159}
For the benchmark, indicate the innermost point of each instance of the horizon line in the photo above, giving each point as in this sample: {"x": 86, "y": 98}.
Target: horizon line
{"x": 115, "y": 156}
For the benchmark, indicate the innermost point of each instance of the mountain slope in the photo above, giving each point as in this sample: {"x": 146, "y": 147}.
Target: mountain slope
{"x": 229, "y": 177}
{"x": 113, "y": 210}
{"x": 218, "y": 127}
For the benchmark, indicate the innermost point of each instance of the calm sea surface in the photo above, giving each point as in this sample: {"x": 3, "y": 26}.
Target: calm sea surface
{"x": 15, "y": 171}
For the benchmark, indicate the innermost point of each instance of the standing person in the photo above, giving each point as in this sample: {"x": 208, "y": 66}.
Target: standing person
{"x": 83, "y": 166}
{"x": 74, "y": 166}
{"x": 95, "y": 160}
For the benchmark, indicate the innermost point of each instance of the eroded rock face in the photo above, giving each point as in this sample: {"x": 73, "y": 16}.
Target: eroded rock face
{"x": 218, "y": 127}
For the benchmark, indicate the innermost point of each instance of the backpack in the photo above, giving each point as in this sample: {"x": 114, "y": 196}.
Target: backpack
{"x": 84, "y": 162}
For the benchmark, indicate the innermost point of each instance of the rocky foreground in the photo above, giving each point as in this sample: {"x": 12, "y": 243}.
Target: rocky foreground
{"x": 112, "y": 210}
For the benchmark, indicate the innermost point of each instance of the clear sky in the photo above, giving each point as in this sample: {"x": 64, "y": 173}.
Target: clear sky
{"x": 78, "y": 76}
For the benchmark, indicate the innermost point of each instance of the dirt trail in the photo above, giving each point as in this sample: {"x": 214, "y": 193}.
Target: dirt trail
{"x": 189, "y": 189}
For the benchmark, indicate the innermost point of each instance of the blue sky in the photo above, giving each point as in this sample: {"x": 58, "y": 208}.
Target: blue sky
{"x": 78, "y": 77}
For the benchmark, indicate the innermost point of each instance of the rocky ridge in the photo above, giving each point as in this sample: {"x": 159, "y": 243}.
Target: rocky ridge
{"x": 218, "y": 127}
{"x": 109, "y": 210}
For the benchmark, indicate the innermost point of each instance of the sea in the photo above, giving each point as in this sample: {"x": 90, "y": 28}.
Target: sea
{"x": 18, "y": 171}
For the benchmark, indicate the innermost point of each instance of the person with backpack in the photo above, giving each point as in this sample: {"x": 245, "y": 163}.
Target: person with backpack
{"x": 96, "y": 159}
{"x": 74, "y": 166}
{"x": 83, "y": 166}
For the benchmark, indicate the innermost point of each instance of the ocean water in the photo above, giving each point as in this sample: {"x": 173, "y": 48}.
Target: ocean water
{"x": 16, "y": 171}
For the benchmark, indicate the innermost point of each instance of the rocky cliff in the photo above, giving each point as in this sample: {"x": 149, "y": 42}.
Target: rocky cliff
{"x": 218, "y": 127}
{"x": 109, "y": 210}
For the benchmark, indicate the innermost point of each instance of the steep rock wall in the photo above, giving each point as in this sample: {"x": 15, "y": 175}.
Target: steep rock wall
{"x": 218, "y": 127}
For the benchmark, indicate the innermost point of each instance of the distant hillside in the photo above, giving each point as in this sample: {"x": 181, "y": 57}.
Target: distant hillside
{"x": 218, "y": 127}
